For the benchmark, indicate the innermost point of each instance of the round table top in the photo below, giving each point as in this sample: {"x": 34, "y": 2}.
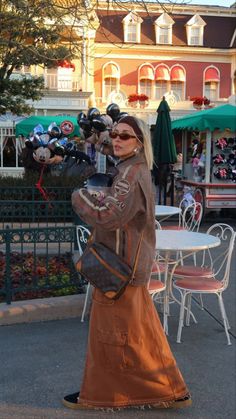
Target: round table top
{"x": 175, "y": 240}
{"x": 165, "y": 210}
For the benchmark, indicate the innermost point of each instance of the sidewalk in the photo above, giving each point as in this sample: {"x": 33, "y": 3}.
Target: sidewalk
{"x": 43, "y": 360}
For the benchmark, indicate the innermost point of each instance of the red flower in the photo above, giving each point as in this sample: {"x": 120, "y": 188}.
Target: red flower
{"x": 143, "y": 97}
{"x": 133, "y": 97}
{"x": 200, "y": 100}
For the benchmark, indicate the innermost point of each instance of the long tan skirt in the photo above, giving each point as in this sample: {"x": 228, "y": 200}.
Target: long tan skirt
{"x": 129, "y": 361}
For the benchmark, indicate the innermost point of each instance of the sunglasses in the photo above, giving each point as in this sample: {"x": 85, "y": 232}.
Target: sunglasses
{"x": 124, "y": 136}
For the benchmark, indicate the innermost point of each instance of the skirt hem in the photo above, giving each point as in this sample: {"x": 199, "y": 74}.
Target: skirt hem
{"x": 134, "y": 403}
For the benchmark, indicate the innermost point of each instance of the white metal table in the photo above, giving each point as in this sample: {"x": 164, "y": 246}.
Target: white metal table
{"x": 169, "y": 241}
{"x": 166, "y": 211}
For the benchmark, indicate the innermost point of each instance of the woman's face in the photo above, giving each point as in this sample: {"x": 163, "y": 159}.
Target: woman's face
{"x": 124, "y": 148}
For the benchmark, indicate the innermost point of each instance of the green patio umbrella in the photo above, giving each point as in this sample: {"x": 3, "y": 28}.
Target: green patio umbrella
{"x": 27, "y": 125}
{"x": 164, "y": 149}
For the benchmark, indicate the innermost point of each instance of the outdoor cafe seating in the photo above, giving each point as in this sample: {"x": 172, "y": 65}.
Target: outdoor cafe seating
{"x": 210, "y": 275}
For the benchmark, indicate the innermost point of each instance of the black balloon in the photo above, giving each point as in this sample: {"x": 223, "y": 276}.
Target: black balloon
{"x": 113, "y": 111}
{"x": 92, "y": 113}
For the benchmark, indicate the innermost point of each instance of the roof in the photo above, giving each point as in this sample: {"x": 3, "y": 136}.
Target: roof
{"x": 222, "y": 117}
{"x": 111, "y": 29}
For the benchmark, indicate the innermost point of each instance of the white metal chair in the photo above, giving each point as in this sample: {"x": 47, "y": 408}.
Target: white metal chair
{"x": 156, "y": 286}
{"x": 82, "y": 236}
{"x": 189, "y": 219}
{"x": 211, "y": 277}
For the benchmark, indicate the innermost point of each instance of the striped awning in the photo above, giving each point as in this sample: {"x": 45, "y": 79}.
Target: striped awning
{"x": 162, "y": 73}
{"x": 212, "y": 74}
{"x": 146, "y": 72}
{"x": 111, "y": 71}
{"x": 177, "y": 74}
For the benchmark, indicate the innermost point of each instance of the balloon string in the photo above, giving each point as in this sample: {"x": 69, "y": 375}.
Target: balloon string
{"x": 40, "y": 188}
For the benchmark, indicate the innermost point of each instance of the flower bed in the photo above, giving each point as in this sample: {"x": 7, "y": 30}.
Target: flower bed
{"x": 39, "y": 276}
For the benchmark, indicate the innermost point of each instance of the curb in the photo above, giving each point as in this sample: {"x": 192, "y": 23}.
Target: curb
{"x": 41, "y": 309}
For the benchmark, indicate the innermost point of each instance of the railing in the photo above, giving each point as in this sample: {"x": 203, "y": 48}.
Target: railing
{"x": 54, "y": 82}
{"x": 37, "y": 262}
{"x": 25, "y": 205}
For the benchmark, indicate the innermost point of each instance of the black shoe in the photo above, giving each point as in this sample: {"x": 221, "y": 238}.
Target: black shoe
{"x": 71, "y": 401}
{"x": 184, "y": 402}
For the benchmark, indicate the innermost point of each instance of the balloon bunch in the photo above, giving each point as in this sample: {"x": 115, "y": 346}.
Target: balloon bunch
{"x": 94, "y": 127}
{"x": 48, "y": 146}
{"x": 52, "y": 147}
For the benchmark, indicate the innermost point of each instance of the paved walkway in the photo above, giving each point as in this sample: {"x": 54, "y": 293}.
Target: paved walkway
{"x": 44, "y": 360}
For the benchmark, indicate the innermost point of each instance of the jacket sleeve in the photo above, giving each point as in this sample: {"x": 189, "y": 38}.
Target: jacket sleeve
{"x": 117, "y": 209}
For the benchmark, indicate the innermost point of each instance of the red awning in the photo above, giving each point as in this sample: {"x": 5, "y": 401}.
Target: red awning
{"x": 212, "y": 75}
{"x": 162, "y": 73}
{"x": 111, "y": 71}
{"x": 177, "y": 74}
{"x": 146, "y": 72}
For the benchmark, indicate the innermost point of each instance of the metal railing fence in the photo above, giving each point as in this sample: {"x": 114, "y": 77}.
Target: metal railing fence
{"x": 37, "y": 262}
{"x": 25, "y": 205}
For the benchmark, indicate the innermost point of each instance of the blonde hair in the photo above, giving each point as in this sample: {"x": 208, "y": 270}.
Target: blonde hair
{"x": 147, "y": 144}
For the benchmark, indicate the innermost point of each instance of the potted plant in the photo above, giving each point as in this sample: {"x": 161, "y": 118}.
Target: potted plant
{"x": 199, "y": 101}
{"x": 133, "y": 99}
{"x": 142, "y": 100}
{"x": 207, "y": 103}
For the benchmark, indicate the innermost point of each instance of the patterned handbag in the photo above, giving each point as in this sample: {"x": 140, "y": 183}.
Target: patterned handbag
{"x": 106, "y": 270}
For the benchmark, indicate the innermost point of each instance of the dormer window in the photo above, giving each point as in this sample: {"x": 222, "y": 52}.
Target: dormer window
{"x": 132, "y": 28}
{"x": 163, "y": 29}
{"x": 131, "y": 32}
{"x": 195, "y": 30}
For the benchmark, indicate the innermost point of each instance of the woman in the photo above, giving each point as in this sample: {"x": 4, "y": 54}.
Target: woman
{"x": 129, "y": 362}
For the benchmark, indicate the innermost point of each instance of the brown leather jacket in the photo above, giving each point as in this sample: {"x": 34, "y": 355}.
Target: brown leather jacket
{"x": 120, "y": 218}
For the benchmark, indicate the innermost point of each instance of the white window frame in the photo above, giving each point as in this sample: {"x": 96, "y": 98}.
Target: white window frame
{"x": 180, "y": 95}
{"x": 211, "y": 93}
{"x": 167, "y": 37}
{"x": 196, "y": 22}
{"x": 164, "y": 22}
{"x": 131, "y": 20}
{"x": 163, "y": 89}
{"x": 104, "y": 95}
{"x": 207, "y": 92}
{"x": 131, "y": 32}
{"x": 146, "y": 87}
{"x": 112, "y": 87}
{"x": 193, "y": 38}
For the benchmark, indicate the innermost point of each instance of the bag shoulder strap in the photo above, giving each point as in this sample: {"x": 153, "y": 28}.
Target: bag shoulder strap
{"x": 137, "y": 256}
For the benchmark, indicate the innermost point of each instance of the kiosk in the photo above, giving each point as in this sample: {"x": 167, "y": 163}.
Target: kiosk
{"x": 209, "y": 155}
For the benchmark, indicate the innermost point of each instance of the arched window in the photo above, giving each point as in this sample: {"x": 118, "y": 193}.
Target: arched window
{"x": 211, "y": 83}
{"x": 162, "y": 81}
{"x": 146, "y": 77}
{"x": 177, "y": 77}
{"x": 111, "y": 79}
